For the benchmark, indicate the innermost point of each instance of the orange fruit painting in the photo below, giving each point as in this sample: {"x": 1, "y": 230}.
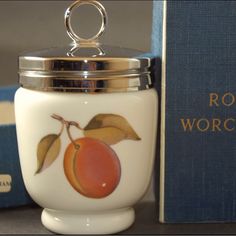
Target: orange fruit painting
{"x": 93, "y": 169}
{"x": 91, "y": 166}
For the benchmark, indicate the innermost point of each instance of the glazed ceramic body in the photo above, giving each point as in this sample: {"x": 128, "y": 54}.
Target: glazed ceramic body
{"x": 68, "y": 208}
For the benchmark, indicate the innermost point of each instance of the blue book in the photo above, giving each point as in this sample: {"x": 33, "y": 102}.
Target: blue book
{"x": 198, "y": 119}
{"x": 12, "y": 189}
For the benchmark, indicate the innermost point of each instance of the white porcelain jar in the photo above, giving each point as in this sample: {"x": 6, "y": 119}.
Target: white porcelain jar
{"x": 86, "y": 122}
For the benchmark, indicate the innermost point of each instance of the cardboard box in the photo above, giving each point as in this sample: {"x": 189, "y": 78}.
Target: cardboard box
{"x": 198, "y": 123}
{"x": 12, "y": 190}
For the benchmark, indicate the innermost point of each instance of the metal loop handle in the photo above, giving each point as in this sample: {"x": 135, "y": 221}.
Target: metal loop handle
{"x": 77, "y": 39}
{"x": 76, "y": 48}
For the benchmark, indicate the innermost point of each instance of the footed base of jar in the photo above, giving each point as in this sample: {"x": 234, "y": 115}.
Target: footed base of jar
{"x": 64, "y": 222}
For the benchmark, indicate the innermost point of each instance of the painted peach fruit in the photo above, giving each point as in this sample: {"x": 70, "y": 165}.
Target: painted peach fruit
{"x": 92, "y": 167}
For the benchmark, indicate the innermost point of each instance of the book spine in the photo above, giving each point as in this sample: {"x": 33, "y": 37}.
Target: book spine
{"x": 157, "y": 28}
{"x": 158, "y": 49}
{"x": 163, "y": 118}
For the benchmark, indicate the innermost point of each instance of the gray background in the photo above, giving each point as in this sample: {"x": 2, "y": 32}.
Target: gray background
{"x": 31, "y": 25}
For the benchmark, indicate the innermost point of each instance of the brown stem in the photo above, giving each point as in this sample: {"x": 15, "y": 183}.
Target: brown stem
{"x": 67, "y": 124}
{"x": 57, "y": 117}
{"x": 63, "y": 122}
{"x": 73, "y": 123}
{"x": 70, "y": 137}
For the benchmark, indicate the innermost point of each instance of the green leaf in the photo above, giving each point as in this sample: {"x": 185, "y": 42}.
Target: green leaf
{"x": 47, "y": 152}
{"x": 110, "y": 128}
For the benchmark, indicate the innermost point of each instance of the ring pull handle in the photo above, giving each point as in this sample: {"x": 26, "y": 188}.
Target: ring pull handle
{"x": 75, "y": 37}
{"x": 76, "y": 48}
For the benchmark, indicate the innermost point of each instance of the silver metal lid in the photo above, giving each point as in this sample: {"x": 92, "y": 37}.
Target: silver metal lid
{"x": 86, "y": 66}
